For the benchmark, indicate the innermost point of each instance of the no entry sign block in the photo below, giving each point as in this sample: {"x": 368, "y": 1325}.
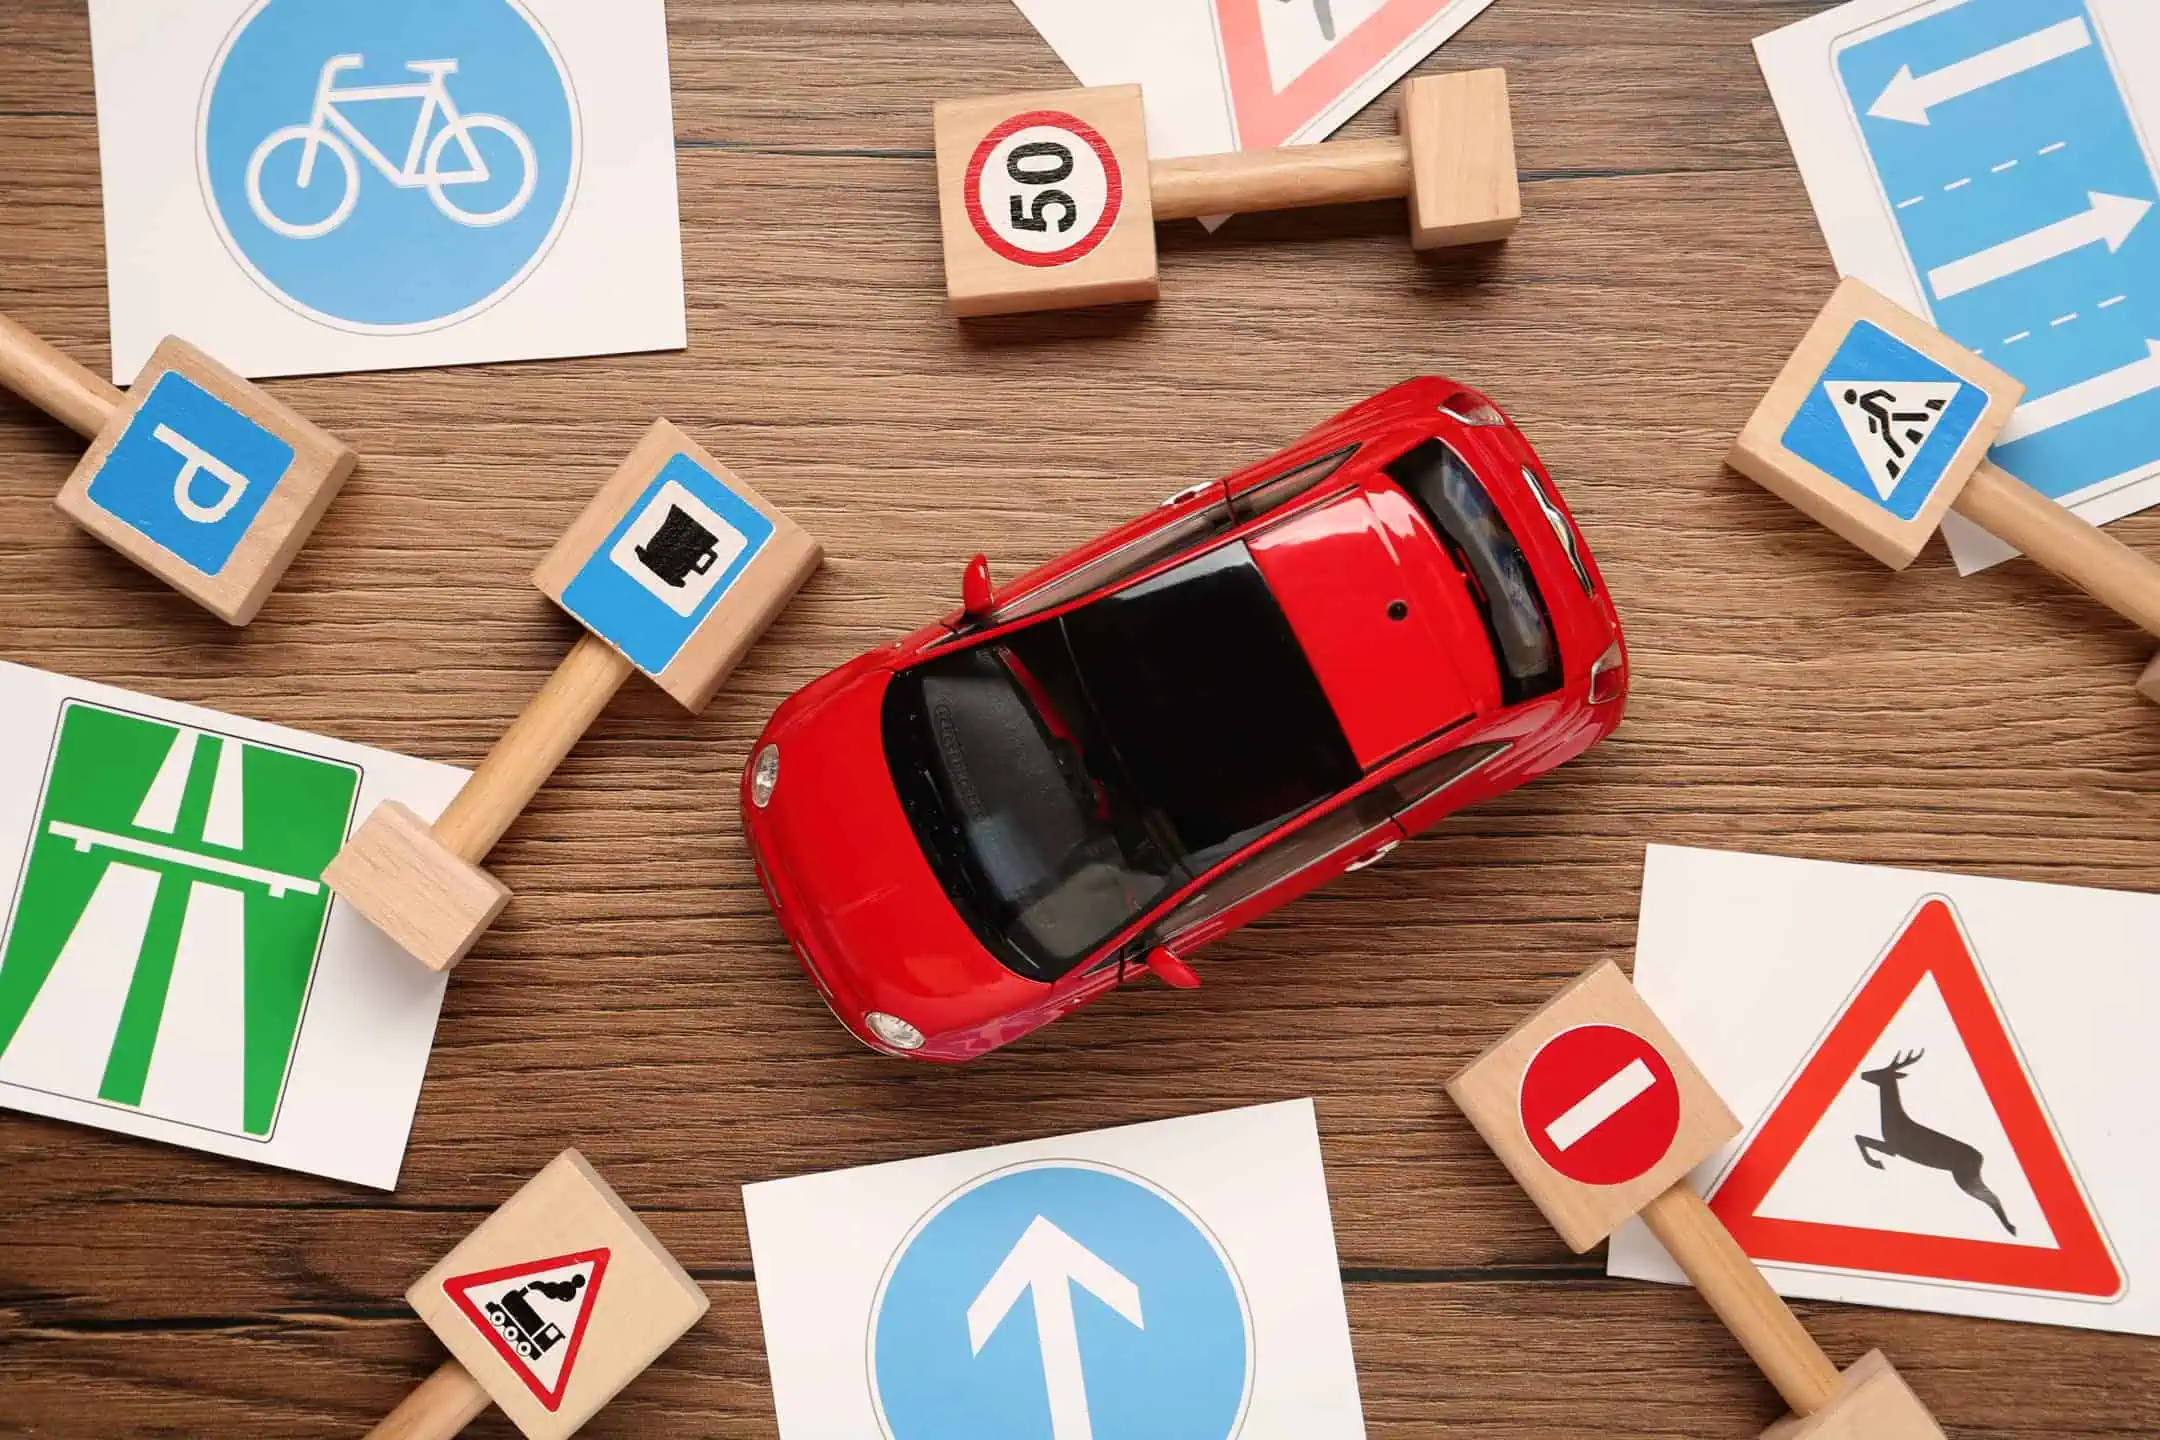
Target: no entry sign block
{"x": 1593, "y": 1107}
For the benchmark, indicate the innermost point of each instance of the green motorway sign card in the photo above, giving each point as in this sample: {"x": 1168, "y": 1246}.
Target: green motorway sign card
{"x": 172, "y": 964}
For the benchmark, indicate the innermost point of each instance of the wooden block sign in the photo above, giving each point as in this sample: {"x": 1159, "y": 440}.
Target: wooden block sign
{"x": 675, "y": 568}
{"x": 678, "y": 565}
{"x": 1600, "y": 1115}
{"x": 1049, "y": 200}
{"x": 199, "y": 477}
{"x": 1593, "y": 1107}
{"x": 560, "y": 1299}
{"x": 1877, "y": 425}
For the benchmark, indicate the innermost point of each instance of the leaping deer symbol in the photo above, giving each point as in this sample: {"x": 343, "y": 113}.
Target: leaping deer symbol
{"x": 1904, "y": 1138}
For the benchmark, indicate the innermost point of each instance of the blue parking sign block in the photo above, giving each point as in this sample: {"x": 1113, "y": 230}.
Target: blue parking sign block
{"x": 667, "y": 564}
{"x": 190, "y": 473}
{"x": 1058, "y": 1299}
{"x": 1885, "y": 420}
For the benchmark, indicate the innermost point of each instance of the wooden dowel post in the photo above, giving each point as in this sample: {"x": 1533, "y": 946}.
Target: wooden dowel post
{"x": 54, "y": 383}
{"x": 2059, "y": 542}
{"x": 1763, "y": 1323}
{"x": 1341, "y": 172}
{"x": 446, "y": 1402}
{"x": 532, "y": 748}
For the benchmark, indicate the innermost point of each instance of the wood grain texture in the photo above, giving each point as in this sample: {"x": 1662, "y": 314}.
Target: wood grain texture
{"x": 1791, "y": 696}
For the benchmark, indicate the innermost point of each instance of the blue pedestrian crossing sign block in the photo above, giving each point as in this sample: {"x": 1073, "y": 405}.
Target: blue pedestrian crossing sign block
{"x": 190, "y": 473}
{"x": 1886, "y": 420}
{"x": 1058, "y": 1300}
{"x": 667, "y": 564}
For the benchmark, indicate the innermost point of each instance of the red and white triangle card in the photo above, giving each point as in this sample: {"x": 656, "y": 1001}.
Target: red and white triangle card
{"x": 1936, "y": 1074}
{"x": 1297, "y": 69}
{"x": 534, "y": 1314}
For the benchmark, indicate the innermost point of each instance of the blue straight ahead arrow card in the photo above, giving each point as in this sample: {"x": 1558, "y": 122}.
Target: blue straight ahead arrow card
{"x": 1172, "y": 1281}
{"x": 1990, "y": 165}
{"x": 171, "y": 964}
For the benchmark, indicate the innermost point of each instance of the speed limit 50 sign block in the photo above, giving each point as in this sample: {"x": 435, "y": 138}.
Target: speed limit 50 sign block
{"x": 560, "y": 1299}
{"x": 1049, "y": 200}
{"x": 1598, "y": 1113}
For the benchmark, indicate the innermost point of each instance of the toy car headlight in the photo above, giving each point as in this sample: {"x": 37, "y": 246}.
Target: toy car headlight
{"x": 764, "y": 775}
{"x": 894, "y": 1031}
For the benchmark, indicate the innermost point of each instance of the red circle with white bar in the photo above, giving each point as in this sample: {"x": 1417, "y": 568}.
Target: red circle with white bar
{"x": 1044, "y": 189}
{"x": 1600, "y": 1104}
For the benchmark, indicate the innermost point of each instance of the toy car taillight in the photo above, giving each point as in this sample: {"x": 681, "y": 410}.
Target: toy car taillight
{"x": 764, "y": 776}
{"x": 1608, "y": 677}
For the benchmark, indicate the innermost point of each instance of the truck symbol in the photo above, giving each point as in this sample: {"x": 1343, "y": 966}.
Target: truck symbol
{"x": 522, "y": 1326}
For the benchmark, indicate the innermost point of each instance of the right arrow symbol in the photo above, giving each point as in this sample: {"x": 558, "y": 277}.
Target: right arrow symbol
{"x": 2111, "y": 218}
{"x": 1910, "y": 97}
{"x": 1047, "y": 1263}
{"x": 2035, "y": 417}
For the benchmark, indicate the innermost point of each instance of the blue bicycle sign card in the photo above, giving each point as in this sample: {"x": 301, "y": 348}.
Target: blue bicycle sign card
{"x": 1169, "y": 1281}
{"x": 311, "y": 185}
{"x": 1994, "y": 166}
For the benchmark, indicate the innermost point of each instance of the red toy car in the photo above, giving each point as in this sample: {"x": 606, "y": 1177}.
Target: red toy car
{"x": 1270, "y": 681}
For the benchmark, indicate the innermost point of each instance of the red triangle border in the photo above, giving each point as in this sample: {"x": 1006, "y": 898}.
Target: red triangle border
{"x": 459, "y": 1289}
{"x": 1266, "y": 117}
{"x": 1931, "y": 942}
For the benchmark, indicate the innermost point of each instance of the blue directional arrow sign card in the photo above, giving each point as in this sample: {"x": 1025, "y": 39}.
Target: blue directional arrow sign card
{"x": 1175, "y": 1281}
{"x": 1990, "y": 165}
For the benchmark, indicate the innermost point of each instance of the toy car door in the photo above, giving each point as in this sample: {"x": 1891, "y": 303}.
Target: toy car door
{"x": 1354, "y": 835}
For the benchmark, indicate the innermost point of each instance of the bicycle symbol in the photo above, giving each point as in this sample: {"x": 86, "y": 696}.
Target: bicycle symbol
{"x": 329, "y": 129}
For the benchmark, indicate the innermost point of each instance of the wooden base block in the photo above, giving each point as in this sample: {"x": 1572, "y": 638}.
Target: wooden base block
{"x": 1045, "y": 201}
{"x": 679, "y": 565}
{"x": 2149, "y": 683}
{"x": 207, "y": 482}
{"x": 1876, "y": 425}
{"x": 1462, "y": 159}
{"x": 1875, "y": 1404}
{"x": 409, "y": 886}
{"x": 560, "y": 1299}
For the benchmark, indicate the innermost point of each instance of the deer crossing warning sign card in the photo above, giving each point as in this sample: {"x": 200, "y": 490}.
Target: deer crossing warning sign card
{"x": 171, "y": 964}
{"x": 1946, "y": 1083}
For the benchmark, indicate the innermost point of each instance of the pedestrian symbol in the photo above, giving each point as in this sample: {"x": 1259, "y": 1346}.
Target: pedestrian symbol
{"x": 1889, "y": 425}
{"x": 1061, "y": 1301}
{"x": 169, "y": 920}
{"x": 1886, "y": 420}
{"x": 535, "y": 1315}
{"x": 190, "y": 473}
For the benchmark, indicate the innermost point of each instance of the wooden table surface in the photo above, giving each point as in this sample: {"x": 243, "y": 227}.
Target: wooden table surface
{"x": 638, "y": 1001}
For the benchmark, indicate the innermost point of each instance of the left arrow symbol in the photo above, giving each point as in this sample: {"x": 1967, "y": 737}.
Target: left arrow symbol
{"x": 1909, "y": 97}
{"x": 1046, "y": 1264}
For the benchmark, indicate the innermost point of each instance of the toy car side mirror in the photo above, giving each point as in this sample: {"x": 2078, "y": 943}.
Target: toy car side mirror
{"x": 1170, "y": 970}
{"x": 975, "y": 597}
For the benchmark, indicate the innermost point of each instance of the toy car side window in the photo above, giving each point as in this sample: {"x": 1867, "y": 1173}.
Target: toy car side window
{"x": 1272, "y": 495}
{"x": 1187, "y": 532}
{"x": 1309, "y": 844}
{"x": 1417, "y": 786}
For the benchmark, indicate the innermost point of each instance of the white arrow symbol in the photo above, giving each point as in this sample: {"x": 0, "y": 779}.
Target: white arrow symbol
{"x": 2139, "y": 377}
{"x": 1910, "y": 97}
{"x": 1048, "y": 1263}
{"x": 2111, "y": 218}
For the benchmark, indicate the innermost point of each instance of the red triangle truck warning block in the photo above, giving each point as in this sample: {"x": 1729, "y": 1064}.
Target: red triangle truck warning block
{"x": 1270, "y": 110}
{"x": 1932, "y": 945}
{"x": 535, "y": 1315}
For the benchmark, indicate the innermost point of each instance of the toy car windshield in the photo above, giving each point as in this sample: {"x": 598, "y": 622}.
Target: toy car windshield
{"x": 1064, "y": 777}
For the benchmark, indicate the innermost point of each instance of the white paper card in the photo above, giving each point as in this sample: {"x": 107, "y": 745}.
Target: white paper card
{"x": 1223, "y": 75}
{"x": 301, "y": 187}
{"x": 1945, "y": 1083}
{"x": 1171, "y": 1278}
{"x": 171, "y": 964}
{"x": 1990, "y": 165}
